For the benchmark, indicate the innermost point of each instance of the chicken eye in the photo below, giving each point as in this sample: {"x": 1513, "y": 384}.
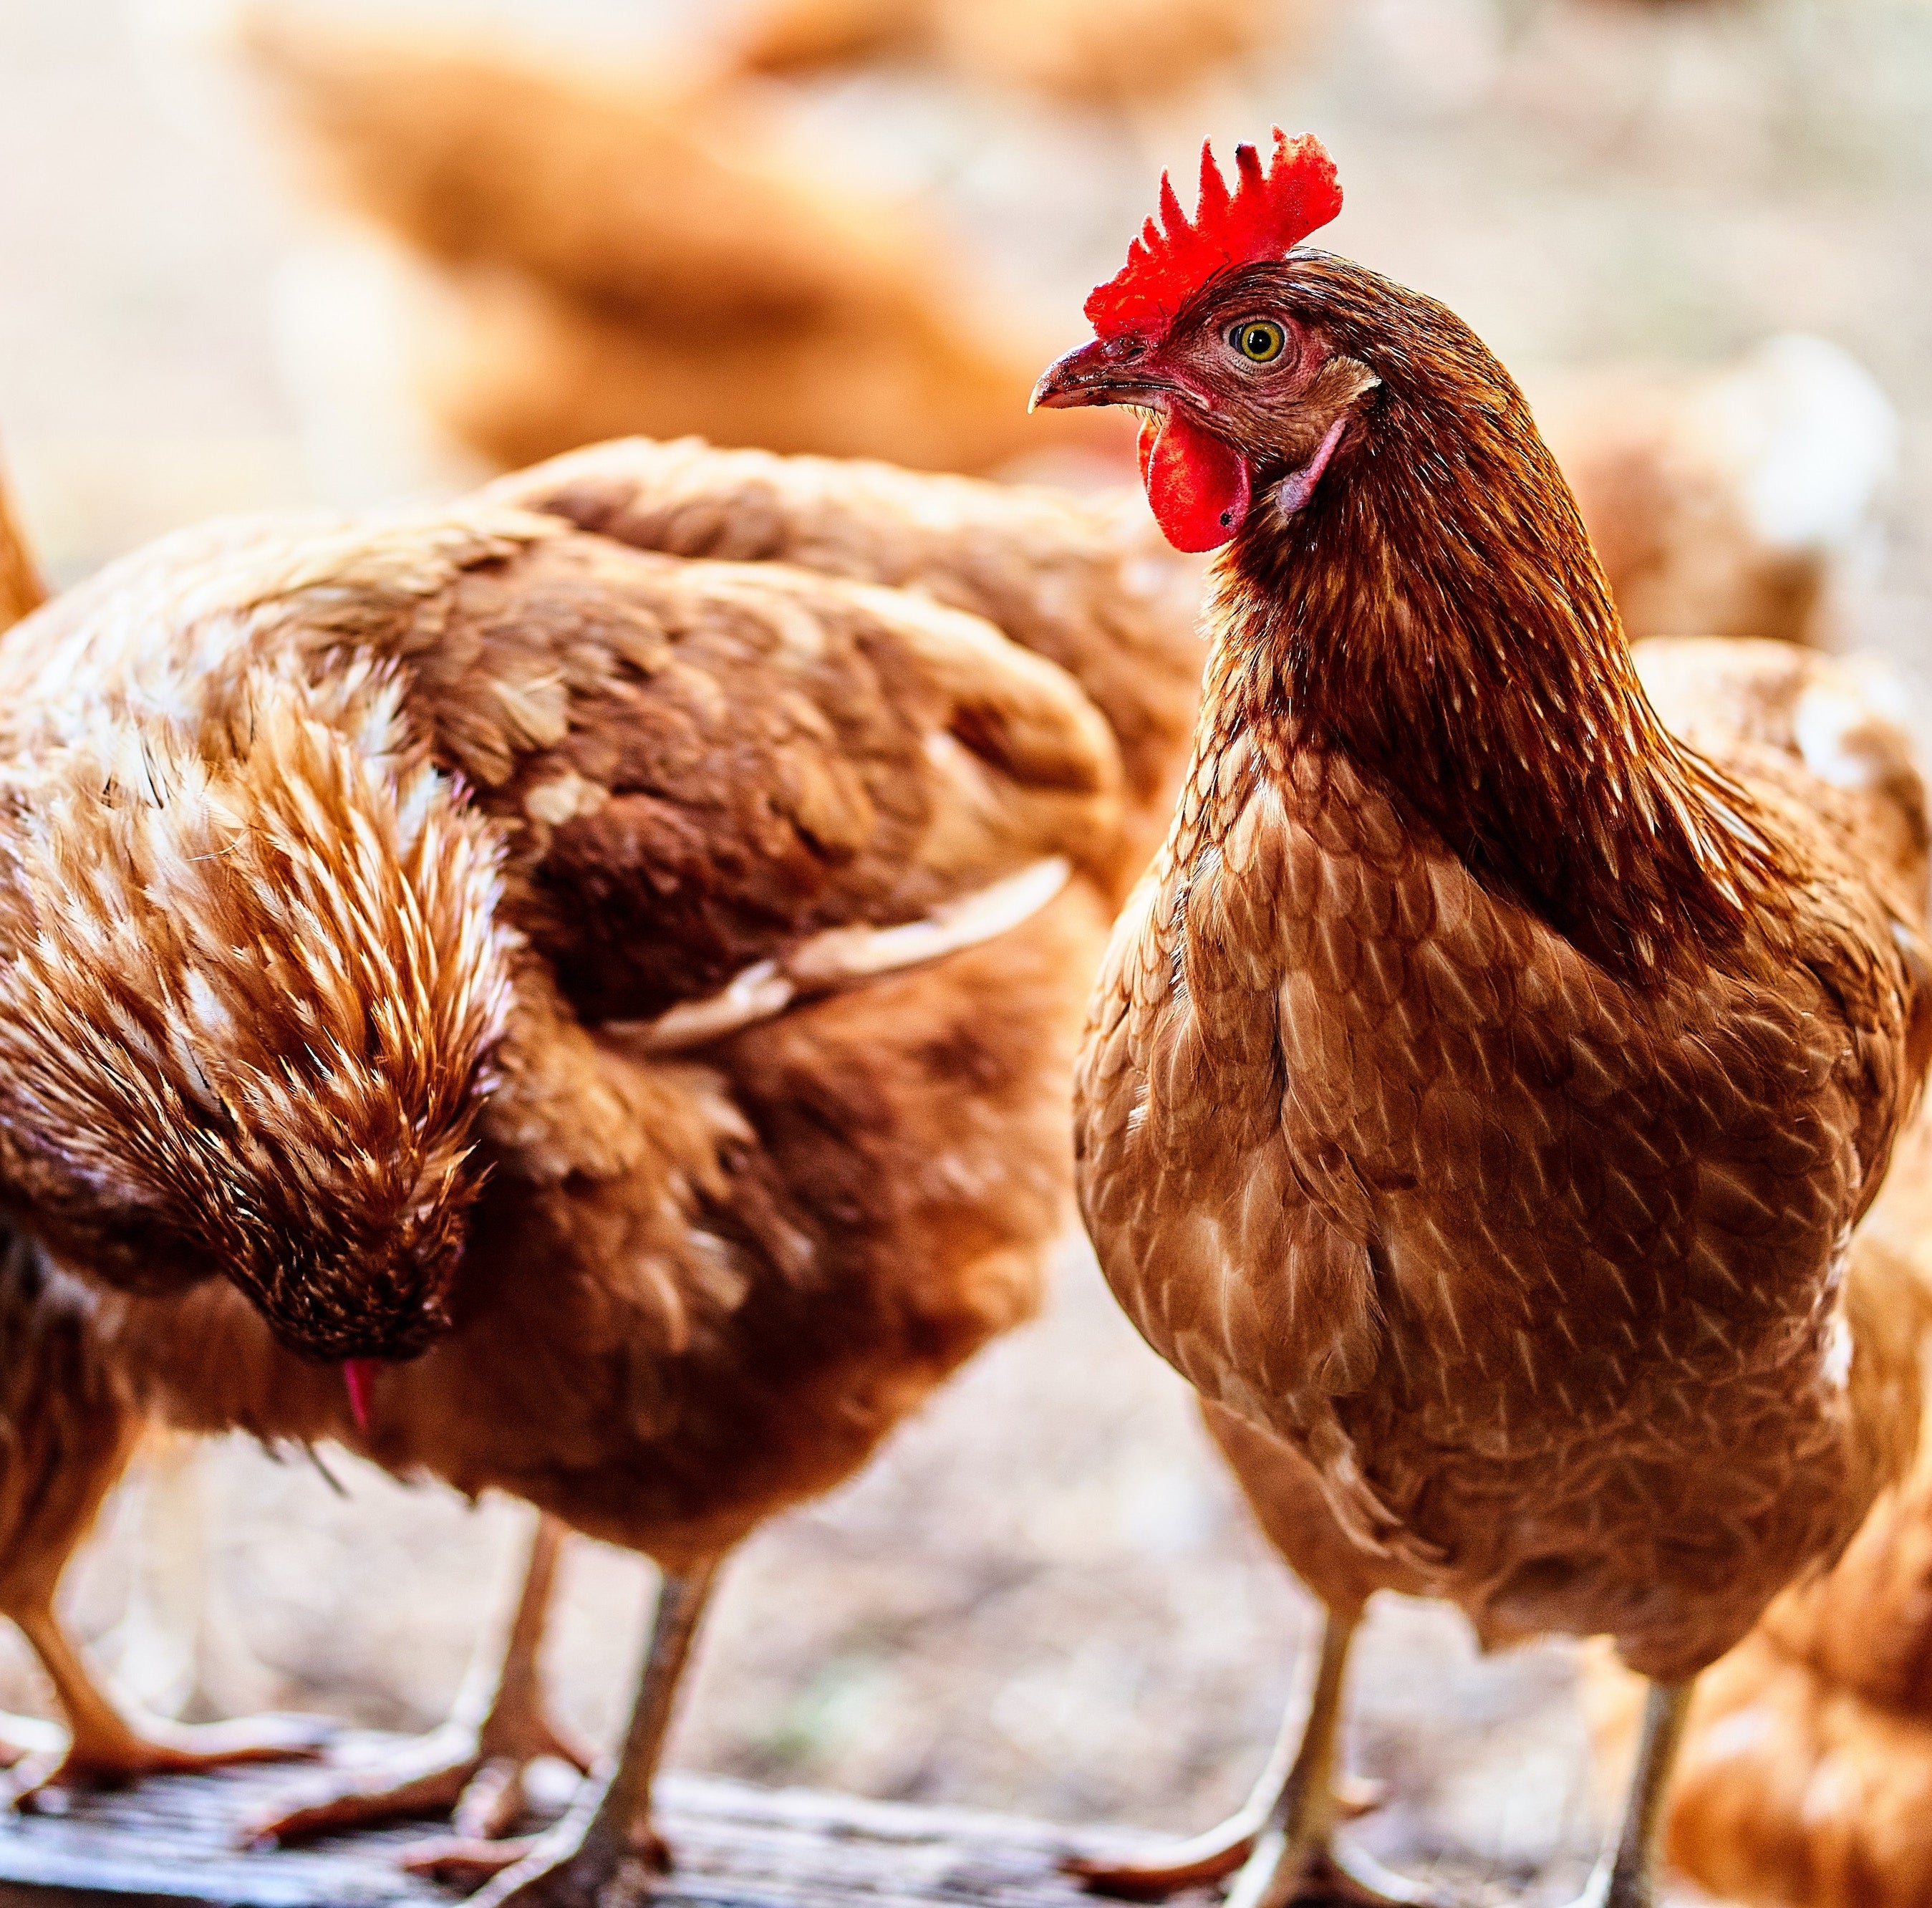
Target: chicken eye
{"x": 1257, "y": 339}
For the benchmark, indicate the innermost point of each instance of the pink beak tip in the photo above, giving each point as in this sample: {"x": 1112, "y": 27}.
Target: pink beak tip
{"x": 359, "y": 1378}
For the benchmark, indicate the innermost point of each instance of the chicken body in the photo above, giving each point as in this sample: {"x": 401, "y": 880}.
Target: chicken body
{"x": 1806, "y": 1761}
{"x": 572, "y": 258}
{"x": 1539, "y": 1270}
{"x": 746, "y": 909}
{"x": 20, "y": 586}
{"x": 1481, "y": 1092}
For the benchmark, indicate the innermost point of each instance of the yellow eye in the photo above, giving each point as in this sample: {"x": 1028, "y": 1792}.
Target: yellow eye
{"x": 1259, "y": 340}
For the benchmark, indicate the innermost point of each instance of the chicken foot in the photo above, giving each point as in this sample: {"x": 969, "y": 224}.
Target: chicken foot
{"x": 474, "y": 1766}
{"x": 108, "y": 1744}
{"x": 607, "y": 1833}
{"x": 1282, "y": 1838}
{"x": 1626, "y": 1876}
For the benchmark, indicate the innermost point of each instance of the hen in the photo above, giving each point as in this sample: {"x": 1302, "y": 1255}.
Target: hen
{"x": 583, "y": 257}
{"x": 621, "y": 1003}
{"x": 1479, "y": 1091}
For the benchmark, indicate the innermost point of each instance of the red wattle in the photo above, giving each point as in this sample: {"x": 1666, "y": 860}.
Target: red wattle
{"x": 359, "y": 1378}
{"x": 1197, "y": 486}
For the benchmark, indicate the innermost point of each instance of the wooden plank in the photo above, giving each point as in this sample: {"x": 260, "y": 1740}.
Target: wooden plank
{"x": 172, "y": 1843}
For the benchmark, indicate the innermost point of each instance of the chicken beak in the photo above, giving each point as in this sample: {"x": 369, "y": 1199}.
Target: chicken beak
{"x": 1096, "y": 373}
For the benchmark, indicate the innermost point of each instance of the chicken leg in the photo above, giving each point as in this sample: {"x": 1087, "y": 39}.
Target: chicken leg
{"x": 606, "y": 1832}
{"x": 1626, "y": 1876}
{"x": 110, "y": 1744}
{"x": 1282, "y": 1839}
{"x": 474, "y": 1764}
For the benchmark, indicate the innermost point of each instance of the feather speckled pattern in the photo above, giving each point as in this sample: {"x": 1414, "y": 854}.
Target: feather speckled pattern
{"x": 1480, "y": 1094}
{"x": 1806, "y": 1764}
{"x": 348, "y": 872}
{"x": 1391, "y": 1171}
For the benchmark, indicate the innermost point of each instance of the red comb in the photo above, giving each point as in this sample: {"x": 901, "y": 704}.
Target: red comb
{"x": 1268, "y": 214}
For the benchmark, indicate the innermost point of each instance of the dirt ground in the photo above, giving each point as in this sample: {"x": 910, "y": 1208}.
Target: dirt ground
{"x": 1045, "y": 1598}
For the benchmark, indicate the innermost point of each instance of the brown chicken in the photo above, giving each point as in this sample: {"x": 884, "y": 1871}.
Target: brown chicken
{"x": 1806, "y": 1770}
{"x": 1741, "y": 502}
{"x": 1091, "y": 53}
{"x": 620, "y": 1004}
{"x": 593, "y": 256}
{"x": 1480, "y": 1089}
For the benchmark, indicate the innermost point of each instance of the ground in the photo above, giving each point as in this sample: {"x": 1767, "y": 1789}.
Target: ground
{"x": 1045, "y": 1598}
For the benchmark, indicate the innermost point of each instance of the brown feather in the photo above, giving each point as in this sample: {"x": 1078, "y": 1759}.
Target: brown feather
{"x": 1481, "y": 1089}
{"x": 501, "y": 785}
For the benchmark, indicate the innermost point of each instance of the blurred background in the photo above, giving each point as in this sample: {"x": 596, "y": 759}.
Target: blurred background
{"x": 341, "y": 254}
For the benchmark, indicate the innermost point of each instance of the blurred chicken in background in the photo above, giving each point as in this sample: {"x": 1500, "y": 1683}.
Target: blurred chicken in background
{"x": 1091, "y": 53}
{"x": 572, "y": 258}
{"x": 1740, "y": 501}
{"x": 561, "y": 258}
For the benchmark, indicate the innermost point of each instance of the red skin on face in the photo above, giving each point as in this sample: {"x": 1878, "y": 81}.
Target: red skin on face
{"x": 1197, "y": 486}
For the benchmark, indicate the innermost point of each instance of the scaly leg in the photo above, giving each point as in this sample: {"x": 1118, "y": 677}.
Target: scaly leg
{"x": 107, "y": 1746}
{"x": 1282, "y": 1839}
{"x": 474, "y": 1764}
{"x": 1626, "y": 1876}
{"x": 604, "y": 1834}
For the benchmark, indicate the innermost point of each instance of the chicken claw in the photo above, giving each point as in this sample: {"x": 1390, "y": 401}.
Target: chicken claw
{"x": 466, "y": 1862}
{"x": 1281, "y": 1839}
{"x": 474, "y": 1766}
{"x": 111, "y": 1745}
{"x": 607, "y": 1838}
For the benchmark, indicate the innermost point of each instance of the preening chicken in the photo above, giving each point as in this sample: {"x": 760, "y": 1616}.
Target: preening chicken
{"x": 1480, "y": 1091}
{"x": 619, "y": 1005}
{"x": 1806, "y": 1770}
{"x": 1742, "y": 502}
{"x": 582, "y": 257}
{"x": 1080, "y": 53}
